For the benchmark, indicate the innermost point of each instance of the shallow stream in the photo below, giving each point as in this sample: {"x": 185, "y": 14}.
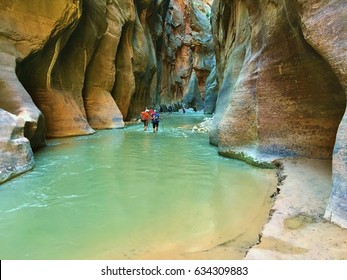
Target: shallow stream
{"x": 131, "y": 194}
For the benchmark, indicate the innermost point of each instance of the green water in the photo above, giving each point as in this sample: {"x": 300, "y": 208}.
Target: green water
{"x": 127, "y": 193}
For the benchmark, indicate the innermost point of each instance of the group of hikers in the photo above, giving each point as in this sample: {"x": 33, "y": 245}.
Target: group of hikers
{"x": 153, "y": 115}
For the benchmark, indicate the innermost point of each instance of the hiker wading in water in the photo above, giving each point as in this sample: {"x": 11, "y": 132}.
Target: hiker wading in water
{"x": 145, "y": 118}
{"x": 155, "y": 117}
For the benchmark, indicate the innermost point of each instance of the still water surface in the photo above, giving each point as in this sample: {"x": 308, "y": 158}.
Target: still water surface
{"x": 127, "y": 193}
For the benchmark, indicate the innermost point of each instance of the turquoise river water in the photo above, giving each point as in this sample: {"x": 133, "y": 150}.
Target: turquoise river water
{"x": 130, "y": 194}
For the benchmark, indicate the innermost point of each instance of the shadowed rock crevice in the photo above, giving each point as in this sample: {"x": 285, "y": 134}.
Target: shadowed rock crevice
{"x": 49, "y": 75}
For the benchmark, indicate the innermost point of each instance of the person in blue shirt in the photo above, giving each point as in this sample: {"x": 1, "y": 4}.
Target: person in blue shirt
{"x": 155, "y": 118}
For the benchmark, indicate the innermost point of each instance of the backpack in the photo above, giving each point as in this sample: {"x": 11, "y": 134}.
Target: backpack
{"x": 155, "y": 117}
{"x": 143, "y": 117}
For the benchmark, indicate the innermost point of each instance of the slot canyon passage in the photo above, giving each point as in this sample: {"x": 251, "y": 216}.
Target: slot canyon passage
{"x": 250, "y": 160}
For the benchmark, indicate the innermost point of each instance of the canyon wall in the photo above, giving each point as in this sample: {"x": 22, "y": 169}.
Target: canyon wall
{"x": 74, "y": 66}
{"x": 25, "y": 27}
{"x": 67, "y": 68}
{"x": 281, "y": 73}
{"x": 186, "y": 56}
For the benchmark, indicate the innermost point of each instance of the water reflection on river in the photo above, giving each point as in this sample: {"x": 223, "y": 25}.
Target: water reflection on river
{"x": 130, "y": 194}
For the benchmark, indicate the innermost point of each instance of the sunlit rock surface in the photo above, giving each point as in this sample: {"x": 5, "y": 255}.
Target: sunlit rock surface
{"x": 92, "y": 64}
{"x": 25, "y": 27}
{"x": 281, "y": 71}
{"x": 55, "y": 75}
{"x": 96, "y": 69}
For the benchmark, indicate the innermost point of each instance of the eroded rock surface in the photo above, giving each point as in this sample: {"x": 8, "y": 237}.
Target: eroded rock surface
{"x": 187, "y": 54}
{"x": 70, "y": 67}
{"x": 16, "y": 155}
{"x": 281, "y": 71}
{"x": 25, "y": 27}
{"x": 325, "y": 28}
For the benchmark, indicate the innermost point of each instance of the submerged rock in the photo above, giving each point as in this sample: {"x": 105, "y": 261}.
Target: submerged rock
{"x": 203, "y": 127}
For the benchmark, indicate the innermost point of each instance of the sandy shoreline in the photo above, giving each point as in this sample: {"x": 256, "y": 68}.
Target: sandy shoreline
{"x": 297, "y": 229}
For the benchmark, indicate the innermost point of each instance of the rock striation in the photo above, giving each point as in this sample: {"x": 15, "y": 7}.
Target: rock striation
{"x": 281, "y": 73}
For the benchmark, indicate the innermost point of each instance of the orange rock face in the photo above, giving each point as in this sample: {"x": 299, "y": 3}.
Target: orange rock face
{"x": 26, "y": 27}
{"x": 85, "y": 75}
{"x": 281, "y": 70}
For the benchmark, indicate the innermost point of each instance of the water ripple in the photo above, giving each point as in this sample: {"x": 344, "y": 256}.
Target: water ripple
{"x": 26, "y": 205}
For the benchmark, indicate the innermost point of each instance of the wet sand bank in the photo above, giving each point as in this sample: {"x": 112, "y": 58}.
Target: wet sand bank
{"x": 297, "y": 229}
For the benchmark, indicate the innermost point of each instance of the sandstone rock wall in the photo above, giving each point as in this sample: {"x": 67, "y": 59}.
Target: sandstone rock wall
{"x": 70, "y": 67}
{"x": 187, "y": 55}
{"x": 324, "y": 26}
{"x": 25, "y": 27}
{"x": 281, "y": 72}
